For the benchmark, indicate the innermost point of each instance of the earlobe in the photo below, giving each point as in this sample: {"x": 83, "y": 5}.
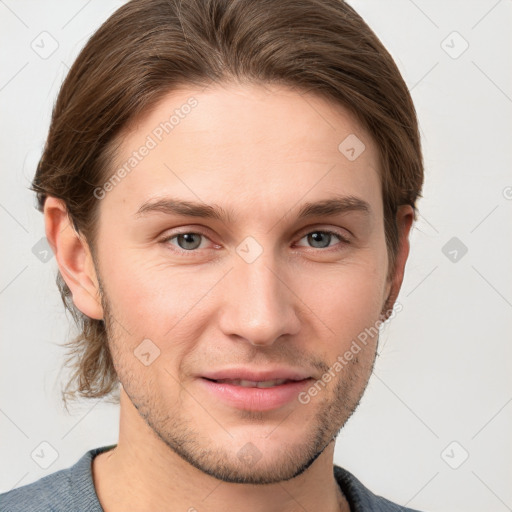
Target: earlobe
{"x": 404, "y": 219}
{"x": 73, "y": 257}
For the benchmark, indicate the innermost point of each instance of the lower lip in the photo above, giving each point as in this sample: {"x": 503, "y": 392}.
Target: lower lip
{"x": 256, "y": 399}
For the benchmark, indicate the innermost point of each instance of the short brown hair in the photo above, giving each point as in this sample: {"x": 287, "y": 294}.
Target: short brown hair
{"x": 149, "y": 48}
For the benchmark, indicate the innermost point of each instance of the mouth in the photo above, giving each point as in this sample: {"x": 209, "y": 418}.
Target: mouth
{"x": 264, "y": 384}
{"x": 260, "y": 395}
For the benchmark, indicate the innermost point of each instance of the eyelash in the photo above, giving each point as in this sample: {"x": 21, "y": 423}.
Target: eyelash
{"x": 179, "y": 250}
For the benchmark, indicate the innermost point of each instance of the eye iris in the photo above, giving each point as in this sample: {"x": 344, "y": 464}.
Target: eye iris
{"x": 189, "y": 240}
{"x": 319, "y": 239}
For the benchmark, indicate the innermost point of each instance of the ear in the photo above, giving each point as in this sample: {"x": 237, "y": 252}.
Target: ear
{"x": 404, "y": 219}
{"x": 73, "y": 257}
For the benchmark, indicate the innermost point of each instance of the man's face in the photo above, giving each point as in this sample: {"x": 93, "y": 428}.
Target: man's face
{"x": 259, "y": 289}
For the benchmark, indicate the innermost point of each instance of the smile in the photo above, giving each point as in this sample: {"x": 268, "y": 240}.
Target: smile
{"x": 265, "y": 395}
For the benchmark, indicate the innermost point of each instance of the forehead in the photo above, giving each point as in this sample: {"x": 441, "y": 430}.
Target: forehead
{"x": 245, "y": 145}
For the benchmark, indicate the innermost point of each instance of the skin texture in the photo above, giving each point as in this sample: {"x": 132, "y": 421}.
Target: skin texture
{"x": 260, "y": 153}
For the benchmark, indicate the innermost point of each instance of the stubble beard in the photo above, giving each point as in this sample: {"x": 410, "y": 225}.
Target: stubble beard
{"x": 224, "y": 463}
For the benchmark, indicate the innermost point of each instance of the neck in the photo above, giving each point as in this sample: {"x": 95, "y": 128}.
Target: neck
{"x": 142, "y": 473}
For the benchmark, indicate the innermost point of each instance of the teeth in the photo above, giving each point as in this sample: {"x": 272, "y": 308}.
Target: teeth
{"x": 254, "y": 384}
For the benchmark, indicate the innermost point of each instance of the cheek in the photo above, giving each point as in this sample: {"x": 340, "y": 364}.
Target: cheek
{"x": 158, "y": 300}
{"x": 159, "y": 304}
{"x": 346, "y": 299}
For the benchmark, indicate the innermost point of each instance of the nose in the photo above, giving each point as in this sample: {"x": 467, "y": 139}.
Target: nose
{"x": 259, "y": 305}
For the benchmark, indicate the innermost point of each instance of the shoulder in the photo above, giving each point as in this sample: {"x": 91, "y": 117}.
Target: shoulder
{"x": 47, "y": 493}
{"x": 70, "y": 489}
{"x": 361, "y": 498}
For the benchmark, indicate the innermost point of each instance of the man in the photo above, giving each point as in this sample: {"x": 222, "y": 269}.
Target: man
{"x": 228, "y": 188}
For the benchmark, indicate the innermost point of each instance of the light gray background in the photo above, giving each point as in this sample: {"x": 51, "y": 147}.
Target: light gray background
{"x": 444, "y": 369}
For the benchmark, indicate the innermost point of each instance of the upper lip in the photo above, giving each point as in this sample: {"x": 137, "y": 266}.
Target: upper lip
{"x": 257, "y": 375}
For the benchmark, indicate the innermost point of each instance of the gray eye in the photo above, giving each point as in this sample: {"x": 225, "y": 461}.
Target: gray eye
{"x": 189, "y": 241}
{"x": 319, "y": 239}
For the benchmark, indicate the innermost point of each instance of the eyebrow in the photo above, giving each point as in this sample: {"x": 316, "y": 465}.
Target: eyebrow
{"x": 334, "y": 206}
{"x": 331, "y": 206}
